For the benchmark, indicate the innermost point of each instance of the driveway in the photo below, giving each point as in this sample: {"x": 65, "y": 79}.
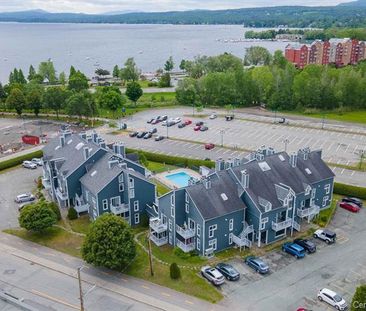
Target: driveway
{"x": 12, "y": 183}
{"x": 294, "y": 283}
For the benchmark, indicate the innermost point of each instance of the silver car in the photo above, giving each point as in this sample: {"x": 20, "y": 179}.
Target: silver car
{"x": 37, "y": 161}
{"x": 29, "y": 165}
{"x": 213, "y": 275}
{"x": 25, "y": 197}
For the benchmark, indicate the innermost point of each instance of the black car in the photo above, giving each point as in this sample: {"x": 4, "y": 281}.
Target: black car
{"x": 229, "y": 118}
{"x": 200, "y": 123}
{"x": 150, "y": 120}
{"x": 257, "y": 264}
{"x": 308, "y": 245}
{"x": 181, "y": 125}
{"x": 228, "y": 271}
{"x": 148, "y": 135}
{"x": 141, "y": 134}
{"x": 159, "y": 138}
{"x": 153, "y": 130}
{"x": 356, "y": 201}
{"x": 133, "y": 134}
{"x": 203, "y": 128}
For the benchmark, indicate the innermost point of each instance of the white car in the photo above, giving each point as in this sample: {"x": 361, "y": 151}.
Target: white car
{"x": 213, "y": 275}
{"x": 213, "y": 116}
{"x": 332, "y": 298}
{"x": 25, "y": 197}
{"x": 29, "y": 164}
{"x": 177, "y": 120}
{"x": 325, "y": 235}
{"x": 37, "y": 161}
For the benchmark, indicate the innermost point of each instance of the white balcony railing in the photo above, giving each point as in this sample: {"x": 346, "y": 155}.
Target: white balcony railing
{"x": 159, "y": 241}
{"x": 46, "y": 183}
{"x": 157, "y": 225}
{"x": 185, "y": 247}
{"x": 185, "y": 233}
{"x": 241, "y": 241}
{"x": 119, "y": 209}
{"x": 311, "y": 211}
{"x": 61, "y": 194}
{"x": 277, "y": 226}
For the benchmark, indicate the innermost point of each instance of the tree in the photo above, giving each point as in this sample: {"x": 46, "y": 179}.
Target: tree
{"x": 81, "y": 104}
{"x": 16, "y": 100}
{"x": 113, "y": 100}
{"x": 257, "y": 55}
{"x": 55, "y": 98}
{"x": 359, "y": 299}
{"x": 169, "y": 64}
{"x": 33, "y": 97}
{"x": 37, "y": 217}
{"x": 165, "y": 80}
{"x": 279, "y": 60}
{"x": 72, "y": 71}
{"x": 102, "y": 72}
{"x": 263, "y": 78}
{"x": 62, "y": 78}
{"x": 174, "y": 271}
{"x": 21, "y": 78}
{"x": 2, "y": 92}
{"x": 186, "y": 92}
{"x": 31, "y": 73}
{"x": 78, "y": 82}
{"x": 116, "y": 71}
{"x": 182, "y": 65}
{"x": 109, "y": 243}
{"x": 47, "y": 71}
{"x": 134, "y": 91}
{"x": 130, "y": 72}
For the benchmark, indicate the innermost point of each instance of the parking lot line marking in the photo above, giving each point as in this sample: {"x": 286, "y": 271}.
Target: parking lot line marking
{"x": 354, "y": 272}
{"x": 144, "y": 286}
{"x": 165, "y": 294}
{"x": 189, "y": 302}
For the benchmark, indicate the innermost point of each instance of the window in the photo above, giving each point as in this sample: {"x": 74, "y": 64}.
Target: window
{"x": 263, "y": 223}
{"x": 87, "y": 195}
{"x": 187, "y": 198}
{"x": 132, "y": 183}
{"x": 137, "y": 218}
{"x": 136, "y": 206}
{"x": 170, "y": 225}
{"x": 303, "y": 203}
{"x": 115, "y": 201}
{"x": 120, "y": 178}
{"x": 105, "y": 205}
{"x": 187, "y": 207}
{"x": 211, "y": 231}
{"x": 172, "y": 211}
{"x": 198, "y": 244}
{"x": 231, "y": 224}
{"x": 121, "y": 187}
{"x": 313, "y": 193}
{"x": 325, "y": 201}
{"x": 230, "y": 238}
{"x": 327, "y": 189}
{"x": 132, "y": 193}
{"x": 213, "y": 244}
{"x": 172, "y": 199}
{"x": 307, "y": 191}
{"x": 198, "y": 230}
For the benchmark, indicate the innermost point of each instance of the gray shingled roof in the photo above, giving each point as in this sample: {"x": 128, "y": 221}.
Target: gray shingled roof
{"x": 73, "y": 157}
{"x": 209, "y": 201}
{"x": 262, "y": 183}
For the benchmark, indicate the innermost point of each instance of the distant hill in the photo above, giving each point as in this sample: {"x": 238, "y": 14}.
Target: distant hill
{"x": 347, "y": 15}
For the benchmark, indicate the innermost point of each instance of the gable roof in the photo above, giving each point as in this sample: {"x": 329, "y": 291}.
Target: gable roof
{"x": 212, "y": 202}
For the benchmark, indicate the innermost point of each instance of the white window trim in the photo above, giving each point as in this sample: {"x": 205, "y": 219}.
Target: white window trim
{"x": 213, "y": 242}
{"x": 327, "y": 189}
{"x": 120, "y": 178}
{"x": 325, "y": 201}
{"x": 118, "y": 200}
{"x": 137, "y": 218}
{"x": 211, "y": 230}
{"x": 131, "y": 182}
{"x": 121, "y": 187}
{"x": 313, "y": 192}
{"x": 170, "y": 225}
{"x": 231, "y": 224}
{"x": 172, "y": 199}
{"x": 172, "y": 211}
{"x": 187, "y": 207}
{"x": 136, "y": 206}
{"x": 230, "y": 238}
{"x": 105, "y": 204}
{"x": 198, "y": 245}
{"x": 132, "y": 193}
{"x": 198, "y": 230}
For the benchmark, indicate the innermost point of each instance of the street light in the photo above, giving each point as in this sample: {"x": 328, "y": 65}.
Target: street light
{"x": 286, "y": 142}
{"x": 323, "y": 121}
{"x": 82, "y": 295}
{"x": 222, "y": 132}
{"x": 362, "y": 156}
{"x": 167, "y": 128}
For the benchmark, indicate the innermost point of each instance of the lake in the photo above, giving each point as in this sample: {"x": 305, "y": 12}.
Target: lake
{"x": 89, "y": 46}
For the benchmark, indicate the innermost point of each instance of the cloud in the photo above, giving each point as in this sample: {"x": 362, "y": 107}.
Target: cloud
{"x": 101, "y": 6}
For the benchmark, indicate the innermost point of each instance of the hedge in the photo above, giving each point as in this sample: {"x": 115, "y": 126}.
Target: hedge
{"x": 162, "y": 158}
{"x": 19, "y": 160}
{"x": 349, "y": 190}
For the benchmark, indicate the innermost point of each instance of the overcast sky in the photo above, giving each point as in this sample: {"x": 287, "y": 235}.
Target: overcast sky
{"x": 101, "y": 6}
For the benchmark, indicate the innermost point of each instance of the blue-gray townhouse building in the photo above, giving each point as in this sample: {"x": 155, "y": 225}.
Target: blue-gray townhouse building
{"x": 80, "y": 170}
{"x": 259, "y": 199}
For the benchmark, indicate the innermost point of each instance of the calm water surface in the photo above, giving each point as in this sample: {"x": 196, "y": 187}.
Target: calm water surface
{"x": 88, "y": 46}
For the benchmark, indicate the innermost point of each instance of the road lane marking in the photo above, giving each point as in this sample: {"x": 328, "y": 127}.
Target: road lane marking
{"x": 189, "y": 302}
{"x": 165, "y": 294}
{"x": 65, "y": 303}
{"x": 144, "y": 286}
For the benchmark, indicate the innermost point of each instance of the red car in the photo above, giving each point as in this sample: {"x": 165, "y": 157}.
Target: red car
{"x": 197, "y": 128}
{"x": 350, "y": 207}
{"x": 209, "y": 146}
{"x": 187, "y": 122}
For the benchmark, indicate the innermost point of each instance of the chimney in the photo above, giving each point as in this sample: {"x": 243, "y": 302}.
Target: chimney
{"x": 119, "y": 148}
{"x": 62, "y": 140}
{"x": 82, "y": 135}
{"x": 67, "y": 133}
{"x": 112, "y": 163}
{"x": 86, "y": 153}
{"x": 293, "y": 159}
{"x": 244, "y": 179}
{"x": 102, "y": 144}
{"x": 95, "y": 137}
{"x": 259, "y": 156}
{"x": 207, "y": 183}
{"x": 219, "y": 165}
{"x": 236, "y": 162}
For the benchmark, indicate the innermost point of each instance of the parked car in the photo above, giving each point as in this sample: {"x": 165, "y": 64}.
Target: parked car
{"x": 163, "y": 118}
{"x": 257, "y": 264}
{"x": 294, "y": 250}
{"x": 141, "y": 134}
{"x": 352, "y": 207}
{"x": 178, "y": 120}
{"x": 308, "y": 245}
{"x": 25, "y": 197}
{"x": 148, "y": 135}
{"x": 37, "y": 161}
{"x": 213, "y": 116}
{"x": 170, "y": 123}
{"x": 228, "y": 271}
{"x": 332, "y": 298}
{"x": 213, "y": 275}
{"x": 153, "y": 130}
{"x": 197, "y": 128}
{"x": 229, "y": 117}
{"x": 29, "y": 165}
{"x": 356, "y": 201}
{"x": 150, "y": 120}
{"x": 133, "y": 134}
{"x": 325, "y": 235}
{"x": 155, "y": 121}
{"x": 199, "y": 123}
{"x": 209, "y": 146}
{"x": 159, "y": 138}
{"x": 204, "y": 128}
{"x": 21, "y": 206}
{"x": 187, "y": 122}
{"x": 181, "y": 125}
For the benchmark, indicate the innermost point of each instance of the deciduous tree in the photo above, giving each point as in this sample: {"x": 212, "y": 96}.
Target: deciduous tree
{"x": 16, "y": 100}
{"x": 134, "y": 91}
{"x": 37, "y": 217}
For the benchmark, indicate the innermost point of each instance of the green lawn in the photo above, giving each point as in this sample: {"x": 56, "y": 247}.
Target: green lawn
{"x": 158, "y": 167}
{"x": 162, "y": 189}
{"x": 351, "y": 116}
{"x": 80, "y": 225}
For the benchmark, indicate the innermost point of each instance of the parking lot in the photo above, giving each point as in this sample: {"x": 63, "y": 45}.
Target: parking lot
{"x": 13, "y": 183}
{"x": 294, "y": 283}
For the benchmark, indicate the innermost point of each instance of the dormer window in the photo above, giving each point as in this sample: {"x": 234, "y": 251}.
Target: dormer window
{"x": 307, "y": 190}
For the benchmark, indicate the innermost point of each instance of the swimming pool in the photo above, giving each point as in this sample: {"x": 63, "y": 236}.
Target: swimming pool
{"x": 180, "y": 179}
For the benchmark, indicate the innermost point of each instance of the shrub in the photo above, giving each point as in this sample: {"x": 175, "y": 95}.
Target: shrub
{"x": 19, "y": 160}
{"x": 39, "y": 183}
{"x": 174, "y": 271}
{"x": 144, "y": 221}
{"x": 359, "y": 298}
{"x": 179, "y": 253}
{"x": 55, "y": 209}
{"x": 72, "y": 213}
{"x": 37, "y": 217}
{"x": 349, "y": 190}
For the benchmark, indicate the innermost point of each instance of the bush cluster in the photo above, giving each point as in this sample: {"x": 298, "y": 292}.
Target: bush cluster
{"x": 350, "y": 190}
{"x": 174, "y": 271}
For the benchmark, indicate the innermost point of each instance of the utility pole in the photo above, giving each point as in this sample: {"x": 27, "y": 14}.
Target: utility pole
{"x": 362, "y": 156}
{"x": 222, "y": 132}
{"x": 150, "y": 253}
{"x": 80, "y": 290}
{"x": 167, "y": 128}
{"x": 323, "y": 121}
